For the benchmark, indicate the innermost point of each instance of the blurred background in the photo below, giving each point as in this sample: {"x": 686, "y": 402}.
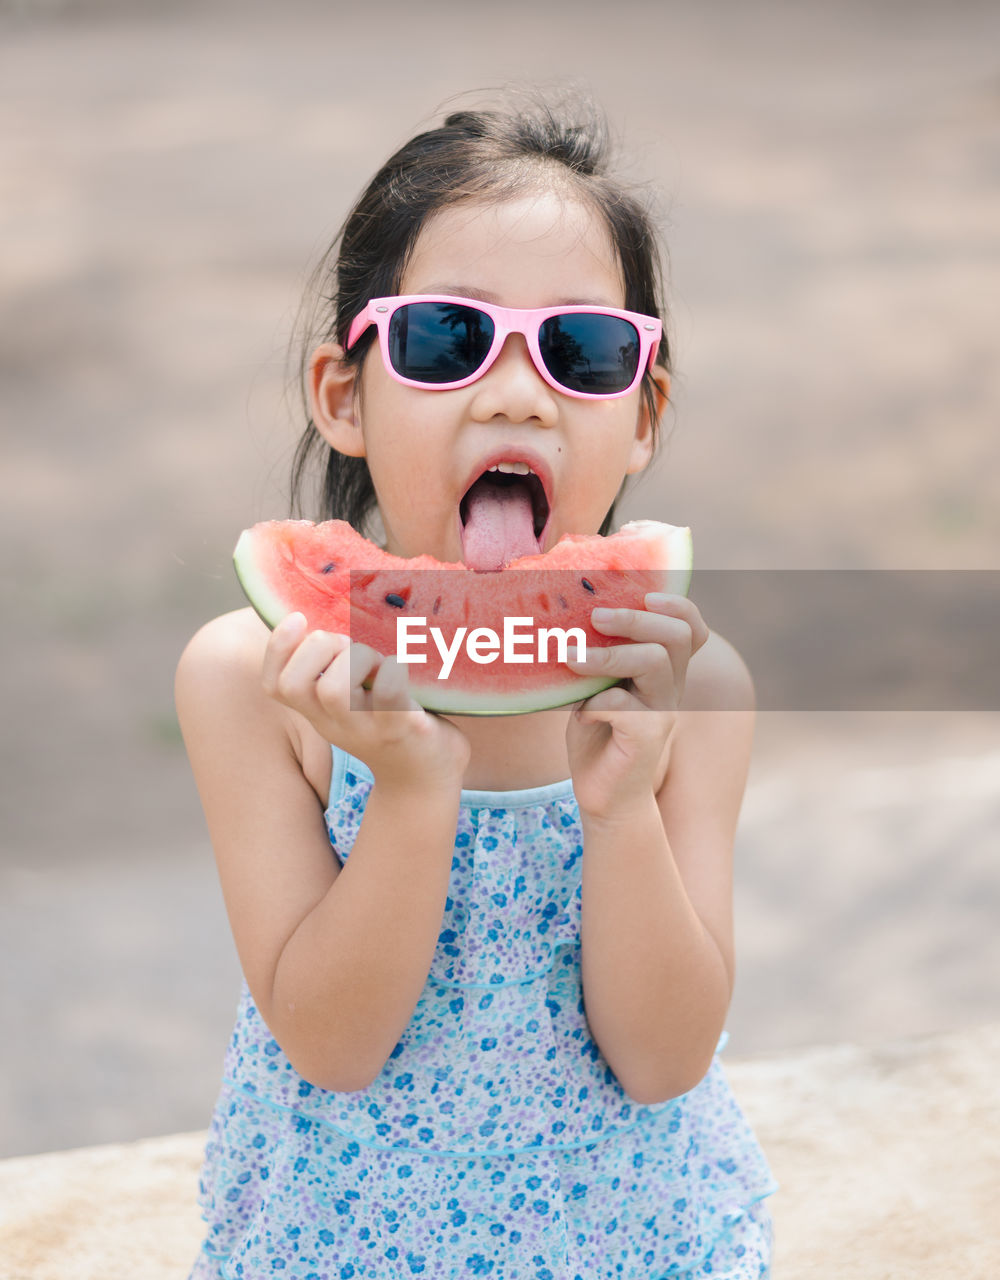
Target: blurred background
{"x": 829, "y": 180}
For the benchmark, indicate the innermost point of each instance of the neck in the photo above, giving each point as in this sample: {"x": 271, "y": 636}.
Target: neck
{"x": 512, "y": 752}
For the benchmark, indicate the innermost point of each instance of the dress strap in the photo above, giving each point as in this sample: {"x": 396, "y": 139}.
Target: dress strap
{"x": 338, "y": 784}
{"x": 472, "y": 798}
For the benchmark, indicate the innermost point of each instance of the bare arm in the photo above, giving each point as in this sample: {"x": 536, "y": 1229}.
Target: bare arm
{"x": 335, "y": 957}
{"x": 348, "y": 979}
{"x": 657, "y": 920}
{"x": 656, "y": 930}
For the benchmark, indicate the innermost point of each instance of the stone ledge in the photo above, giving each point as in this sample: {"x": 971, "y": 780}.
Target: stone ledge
{"x": 888, "y": 1160}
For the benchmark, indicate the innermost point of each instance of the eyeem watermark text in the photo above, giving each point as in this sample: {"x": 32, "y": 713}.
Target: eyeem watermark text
{"x": 484, "y": 645}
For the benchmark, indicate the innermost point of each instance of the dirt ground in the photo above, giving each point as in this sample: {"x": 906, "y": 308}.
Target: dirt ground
{"x": 830, "y": 189}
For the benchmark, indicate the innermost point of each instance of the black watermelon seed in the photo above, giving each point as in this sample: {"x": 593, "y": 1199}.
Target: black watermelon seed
{"x": 397, "y": 602}
{"x": 588, "y": 586}
{"x": 437, "y": 605}
{"x": 328, "y": 568}
{"x": 562, "y": 602}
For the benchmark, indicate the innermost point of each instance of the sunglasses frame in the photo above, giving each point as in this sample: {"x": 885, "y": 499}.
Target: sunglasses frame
{"x": 506, "y": 320}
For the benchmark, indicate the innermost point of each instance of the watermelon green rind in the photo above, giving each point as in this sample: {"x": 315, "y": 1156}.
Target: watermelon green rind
{"x": 453, "y": 701}
{"x": 270, "y": 608}
{"x": 678, "y": 550}
{"x": 265, "y": 553}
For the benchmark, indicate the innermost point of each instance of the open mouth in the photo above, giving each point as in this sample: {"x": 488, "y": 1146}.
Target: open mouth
{"x": 504, "y": 514}
{"x": 535, "y": 495}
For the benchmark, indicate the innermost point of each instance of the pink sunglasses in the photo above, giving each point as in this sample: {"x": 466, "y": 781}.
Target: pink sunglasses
{"x": 440, "y": 343}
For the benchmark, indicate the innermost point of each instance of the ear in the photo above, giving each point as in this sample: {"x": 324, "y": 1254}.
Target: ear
{"x": 642, "y": 445}
{"x": 331, "y": 387}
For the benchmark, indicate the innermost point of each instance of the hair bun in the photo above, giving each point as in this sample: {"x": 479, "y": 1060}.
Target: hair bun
{"x": 575, "y": 146}
{"x": 475, "y": 124}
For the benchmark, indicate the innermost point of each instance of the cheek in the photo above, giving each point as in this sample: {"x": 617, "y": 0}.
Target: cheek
{"x": 610, "y": 437}
{"x": 607, "y": 460}
{"x": 406, "y": 460}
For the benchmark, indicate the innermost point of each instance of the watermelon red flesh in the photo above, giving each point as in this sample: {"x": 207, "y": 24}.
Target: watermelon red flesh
{"x": 343, "y": 583}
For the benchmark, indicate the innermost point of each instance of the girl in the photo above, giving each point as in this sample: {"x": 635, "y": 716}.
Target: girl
{"x": 487, "y": 961}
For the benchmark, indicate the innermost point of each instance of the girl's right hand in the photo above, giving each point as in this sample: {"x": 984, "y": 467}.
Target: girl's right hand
{"x": 320, "y": 675}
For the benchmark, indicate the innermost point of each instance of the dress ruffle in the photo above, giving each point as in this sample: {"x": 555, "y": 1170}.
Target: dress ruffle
{"x": 496, "y": 1140}
{"x": 582, "y": 1211}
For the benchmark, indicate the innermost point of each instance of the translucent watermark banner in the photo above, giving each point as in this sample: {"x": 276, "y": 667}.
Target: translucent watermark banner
{"x": 488, "y": 643}
{"x": 861, "y": 639}
{"x": 813, "y": 640}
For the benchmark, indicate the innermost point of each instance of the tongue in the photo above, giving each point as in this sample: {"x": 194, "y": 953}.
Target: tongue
{"x": 499, "y": 525}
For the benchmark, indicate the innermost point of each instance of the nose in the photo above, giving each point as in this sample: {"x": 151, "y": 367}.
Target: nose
{"x": 512, "y": 388}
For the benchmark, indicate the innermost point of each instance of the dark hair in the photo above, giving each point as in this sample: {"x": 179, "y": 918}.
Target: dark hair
{"x": 474, "y": 156}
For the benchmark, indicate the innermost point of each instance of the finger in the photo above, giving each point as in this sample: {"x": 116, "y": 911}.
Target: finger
{"x": 331, "y": 688}
{"x": 683, "y": 608}
{"x": 607, "y": 705}
{"x": 671, "y": 631}
{"x": 297, "y": 680}
{"x": 391, "y": 687}
{"x": 624, "y": 661}
{"x": 646, "y": 624}
{"x": 627, "y": 723}
{"x": 639, "y": 624}
{"x": 659, "y": 604}
{"x": 648, "y": 666}
{"x": 281, "y": 643}
{"x": 364, "y": 663}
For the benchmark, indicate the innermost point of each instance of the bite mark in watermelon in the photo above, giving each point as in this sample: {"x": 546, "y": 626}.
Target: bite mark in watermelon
{"x": 343, "y": 583}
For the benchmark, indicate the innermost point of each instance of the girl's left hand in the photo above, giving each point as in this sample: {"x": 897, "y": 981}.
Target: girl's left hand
{"x": 616, "y": 739}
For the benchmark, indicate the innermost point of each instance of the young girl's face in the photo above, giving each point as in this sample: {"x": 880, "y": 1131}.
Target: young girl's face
{"x": 425, "y": 447}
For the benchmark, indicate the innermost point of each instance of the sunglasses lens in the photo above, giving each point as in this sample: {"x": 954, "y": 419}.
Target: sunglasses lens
{"x": 438, "y": 342}
{"x": 592, "y": 353}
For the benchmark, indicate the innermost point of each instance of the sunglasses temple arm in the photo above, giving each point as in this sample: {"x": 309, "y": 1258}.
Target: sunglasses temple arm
{"x": 358, "y": 325}
{"x": 654, "y": 348}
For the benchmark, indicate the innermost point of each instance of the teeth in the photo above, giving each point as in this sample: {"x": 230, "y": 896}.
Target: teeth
{"x": 512, "y": 468}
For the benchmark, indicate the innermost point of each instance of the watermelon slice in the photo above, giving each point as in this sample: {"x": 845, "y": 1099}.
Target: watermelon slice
{"x": 446, "y": 614}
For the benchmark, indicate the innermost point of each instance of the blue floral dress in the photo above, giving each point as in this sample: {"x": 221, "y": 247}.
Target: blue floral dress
{"x": 496, "y": 1141}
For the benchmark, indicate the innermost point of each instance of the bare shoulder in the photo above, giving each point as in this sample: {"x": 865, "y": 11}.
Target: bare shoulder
{"x": 227, "y": 647}
{"x": 218, "y": 675}
{"x": 706, "y": 767}
{"x": 718, "y": 679}
{"x": 222, "y": 662}
{"x": 710, "y": 749}
{"x": 224, "y": 711}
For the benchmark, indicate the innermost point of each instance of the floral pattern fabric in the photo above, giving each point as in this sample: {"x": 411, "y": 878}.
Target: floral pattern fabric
{"x": 496, "y": 1141}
